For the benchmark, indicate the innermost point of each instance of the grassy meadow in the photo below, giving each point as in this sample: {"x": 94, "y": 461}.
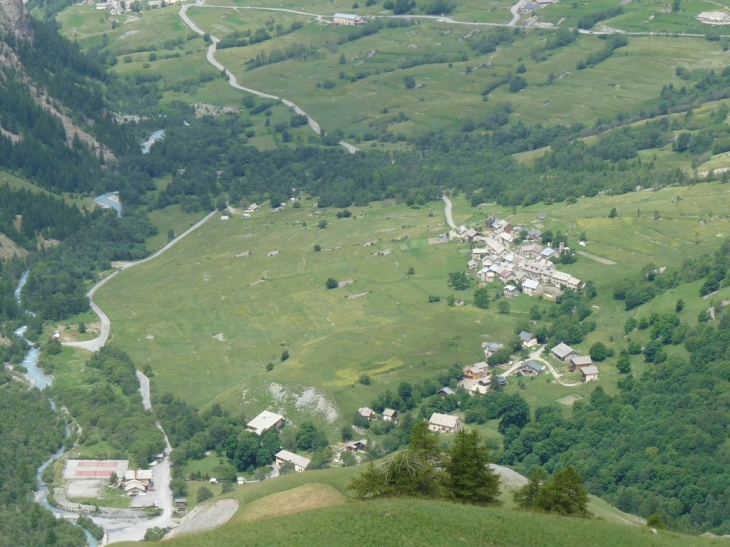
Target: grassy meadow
{"x": 368, "y": 89}
{"x": 313, "y": 509}
{"x": 167, "y": 312}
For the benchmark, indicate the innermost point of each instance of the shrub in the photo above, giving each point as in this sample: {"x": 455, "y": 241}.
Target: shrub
{"x": 331, "y": 283}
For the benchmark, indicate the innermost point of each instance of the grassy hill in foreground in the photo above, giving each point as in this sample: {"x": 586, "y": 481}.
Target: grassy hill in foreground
{"x": 291, "y": 510}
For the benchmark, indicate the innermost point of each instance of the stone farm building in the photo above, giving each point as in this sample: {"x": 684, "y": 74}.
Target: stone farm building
{"x": 265, "y": 421}
{"x": 367, "y": 413}
{"x": 589, "y": 374}
{"x": 443, "y": 423}
{"x": 563, "y": 352}
{"x": 348, "y": 19}
{"x": 579, "y": 362}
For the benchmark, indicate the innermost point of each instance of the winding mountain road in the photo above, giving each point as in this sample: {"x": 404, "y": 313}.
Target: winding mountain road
{"x": 97, "y": 343}
{"x": 210, "y": 56}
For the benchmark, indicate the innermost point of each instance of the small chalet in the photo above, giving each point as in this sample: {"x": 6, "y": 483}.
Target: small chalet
{"x": 510, "y": 291}
{"x": 284, "y": 456}
{"x": 532, "y": 287}
{"x": 443, "y": 423}
{"x": 367, "y": 413}
{"x": 181, "y": 502}
{"x": 390, "y": 415}
{"x": 501, "y": 381}
{"x": 357, "y": 446}
{"x": 589, "y": 374}
{"x": 470, "y": 234}
{"x": 578, "y": 362}
{"x": 477, "y": 371}
{"x": 531, "y": 368}
{"x": 529, "y": 340}
{"x": 445, "y": 391}
{"x": 265, "y": 421}
{"x": 563, "y": 352}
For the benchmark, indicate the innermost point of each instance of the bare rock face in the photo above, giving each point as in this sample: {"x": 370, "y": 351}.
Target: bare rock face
{"x": 15, "y": 18}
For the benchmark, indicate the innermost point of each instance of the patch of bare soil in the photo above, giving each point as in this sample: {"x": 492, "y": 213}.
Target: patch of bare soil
{"x": 345, "y": 283}
{"x": 358, "y": 295}
{"x": 8, "y": 248}
{"x": 205, "y": 516}
{"x": 219, "y": 337}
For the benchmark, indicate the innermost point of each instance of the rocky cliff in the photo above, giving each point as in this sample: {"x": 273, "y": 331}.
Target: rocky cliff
{"x": 15, "y": 18}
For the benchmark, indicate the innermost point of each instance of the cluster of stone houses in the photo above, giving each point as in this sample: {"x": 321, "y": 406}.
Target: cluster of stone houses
{"x": 500, "y": 258}
{"x": 566, "y": 354}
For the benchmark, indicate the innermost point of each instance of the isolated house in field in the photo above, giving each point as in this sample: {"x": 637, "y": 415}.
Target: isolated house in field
{"x": 529, "y": 340}
{"x": 348, "y": 19}
{"x": 265, "y": 421}
{"x": 134, "y": 488}
{"x": 532, "y": 368}
{"x": 367, "y": 413}
{"x": 445, "y": 391}
{"x": 490, "y": 348}
{"x": 531, "y": 287}
{"x": 181, "y": 503}
{"x": 476, "y": 371}
{"x": 443, "y": 423}
{"x": 510, "y": 291}
{"x": 589, "y": 374}
{"x": 563, "y": 352}
{"x": 390, "y": 415}
{"x": 502, "y": 381}
{"x": 357, "y": 446}
{"x": 578, "y": 362}
{"x": 284, "y": 456}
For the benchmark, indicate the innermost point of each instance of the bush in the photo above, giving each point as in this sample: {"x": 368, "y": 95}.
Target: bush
{"x": 409, "y": 82}
{"x": 331, "y": 283}
{"x": 517, "y": 83}
{"x": 203, "y": 494}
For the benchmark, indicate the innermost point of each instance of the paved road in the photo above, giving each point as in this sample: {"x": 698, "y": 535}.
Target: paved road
{"x": 210, "y": 56}
{"x": 97, "y": 343}
{"x": 514, "y": 10}
{"x": 536, "y": 356}
{"x": 447, "y": 212}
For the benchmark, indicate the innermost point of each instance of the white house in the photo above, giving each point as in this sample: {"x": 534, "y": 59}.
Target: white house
{"x": 284, "y": 456}
{"x": 510, "y": 291}
{"x": 390, "y": 415}
{"x": 531, "y": 287}
{"x": 529, "y": 340}
{"x": 443, "y": 423}
{"x": 134, "y": 488}
{"x": 265, "y": 421}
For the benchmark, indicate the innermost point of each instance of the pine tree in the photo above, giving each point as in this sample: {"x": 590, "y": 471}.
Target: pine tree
{"x": 525, "y": 497}
{"x": 468, "y": 475}
{"x": 565, "y": 494}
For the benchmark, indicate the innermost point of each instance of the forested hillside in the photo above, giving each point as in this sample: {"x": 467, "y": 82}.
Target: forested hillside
{"x": 31, "y": 432}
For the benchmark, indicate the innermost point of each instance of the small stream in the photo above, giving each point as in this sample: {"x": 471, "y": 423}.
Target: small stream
{"x": 153, "y": 138}
{"x": 106, "y": 202}
{"x": 41, "y": 380}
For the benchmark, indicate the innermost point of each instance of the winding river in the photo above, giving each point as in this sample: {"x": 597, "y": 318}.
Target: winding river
{"x": 41, "y": 380}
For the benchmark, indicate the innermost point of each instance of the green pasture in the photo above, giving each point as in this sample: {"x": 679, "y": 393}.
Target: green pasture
{"x": 637, "y": 16}
{"x": 263, "y": 305}
{"x": 199, "y": 289}
{"x": 492, "y": 11}
{"x": 311, "y": 508}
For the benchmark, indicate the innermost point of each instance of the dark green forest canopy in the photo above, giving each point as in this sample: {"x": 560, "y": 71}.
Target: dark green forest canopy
{"x": 30, "y": 432}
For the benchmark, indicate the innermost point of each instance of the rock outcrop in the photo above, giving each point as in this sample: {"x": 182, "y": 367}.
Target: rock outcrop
{"x": 14, "y": 18}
